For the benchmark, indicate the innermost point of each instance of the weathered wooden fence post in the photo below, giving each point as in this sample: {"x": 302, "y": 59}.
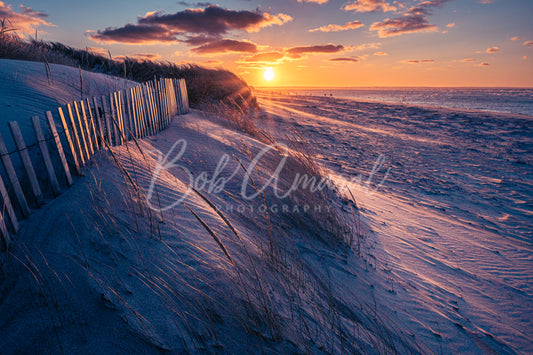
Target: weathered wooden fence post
{"x": 76, "y": 137}
{"x": 77, "y": 165}
{"x": 46, "y": 155}
{"x": 59, "y": 146}
{"x": 107, "y": 113}
{"x": 7, "y": 206}
{"x": 26, "y": 162}
{"x": 13, "y": 179}
{"x": 82, "y": 133}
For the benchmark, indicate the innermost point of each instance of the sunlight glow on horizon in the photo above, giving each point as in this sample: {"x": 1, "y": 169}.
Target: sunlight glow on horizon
{"x": 311, "y": 43}
{"x": 269, "y": 74}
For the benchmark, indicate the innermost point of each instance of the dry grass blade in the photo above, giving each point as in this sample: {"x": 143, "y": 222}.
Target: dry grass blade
{"x": 217, "y": 212}
{"x": 210, "y": 231}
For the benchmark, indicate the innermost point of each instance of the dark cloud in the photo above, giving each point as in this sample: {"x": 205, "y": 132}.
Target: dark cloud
{"x": 141, "y": 57}
{"x": 343, "y": 59}
{"x": 413, "y": 20}
{"x": 214, "y": 20}
{"x": 328, "y": 48}
{"x": 24, "y": 21}
{"x": 198, "y": 4}
{"x": 192, "y": 24}
{"x": 198, "y": 40}
{"x": 433, "y": 3}
{"x": 136, "y": 34}
{"x": 225, "y": 46}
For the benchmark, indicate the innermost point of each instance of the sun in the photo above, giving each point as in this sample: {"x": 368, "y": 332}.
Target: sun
{"x": 269, "y": 74}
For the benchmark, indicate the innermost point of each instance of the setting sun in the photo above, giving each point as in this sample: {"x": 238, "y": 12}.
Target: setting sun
{"x": 269, "y": 74}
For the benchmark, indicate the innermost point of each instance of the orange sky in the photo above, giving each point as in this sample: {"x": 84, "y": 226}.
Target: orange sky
{"x": 307, "y": 42}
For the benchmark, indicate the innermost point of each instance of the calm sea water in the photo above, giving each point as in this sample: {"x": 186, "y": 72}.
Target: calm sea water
{"x": 506, "y": 100}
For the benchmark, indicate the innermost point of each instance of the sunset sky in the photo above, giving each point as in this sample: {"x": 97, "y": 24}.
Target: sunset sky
{"x": 305, "y": 42}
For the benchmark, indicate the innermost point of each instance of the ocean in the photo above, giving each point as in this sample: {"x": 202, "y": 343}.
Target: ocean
{"x": 504, "y": 100}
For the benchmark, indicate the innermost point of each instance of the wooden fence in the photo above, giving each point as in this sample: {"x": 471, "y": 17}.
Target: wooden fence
{"x": 73, "y": 136}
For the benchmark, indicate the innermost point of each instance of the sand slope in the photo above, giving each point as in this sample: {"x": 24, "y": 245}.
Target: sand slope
{"x": 452, "y": 224}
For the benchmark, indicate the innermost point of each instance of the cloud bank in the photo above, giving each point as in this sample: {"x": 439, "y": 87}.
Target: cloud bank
{"x": 25, "y": 21}
{"x": 193, "y": 26}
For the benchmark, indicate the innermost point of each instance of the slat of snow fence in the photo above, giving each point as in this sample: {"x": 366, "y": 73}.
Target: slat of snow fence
{"x": 99, "y": 125}
{"x": 92, "y": 127}
{"x": 70, "y": 142}
{"x": 8, "y": 207}
{"x": 86, "y": 129}
{"x": 140, "y": 111}
{"x": 59, "y": 147}
{"x": 46, "y": 155}
{"x": 77, "y": 143}
{"x": 107, "y": 121}
{"x": 82, "y": 133}
{"x": 13, "y": 179}
{"x": 5, "y": 234}
{"x": 26, "y": 162}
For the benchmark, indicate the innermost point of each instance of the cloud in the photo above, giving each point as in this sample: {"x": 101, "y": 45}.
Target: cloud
{"x": 140, "y": 57}
{"x": 528, "y": 43}
{"x": 136, "y": 34}
{"x": 192, "y": 26}
{"x": 369, "y": 6}
{"x": 268, "y": 57}
{"x": 25, "y": 21}
{"x": 486, "y": 1}
{"x": 433, "y": 3}
{"x": 98, "y": 51}
{"x": 516, "y": 38}
{"x": 343, "y": 59}
{"x": 198, "y": 4}
{"x": 214, "y": 20}
{"x": 145, "y": 56}
{"x": 451, "y": 25}
{"x": 418, "y": 61}
{"x": 225, "y": 46}
{"x": 493, "y": 50}
{"x": 328, "y": 48}
{"x": 320, "y": 2}
{"x": 381, "y": 53}
{"x": 413, "y": 20}
{"x": 373, "y": 45}
{"x": 336, "y": 28}
{"x": 468, "y": 60}
{"x": 484, "y": 64}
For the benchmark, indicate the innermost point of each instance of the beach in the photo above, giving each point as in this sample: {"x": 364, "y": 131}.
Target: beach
{"x": 450, "y": 209}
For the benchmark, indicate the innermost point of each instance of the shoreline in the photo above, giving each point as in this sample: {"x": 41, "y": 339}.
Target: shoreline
{"x": 451, "y": 226}
{"x": 258, "y": 92}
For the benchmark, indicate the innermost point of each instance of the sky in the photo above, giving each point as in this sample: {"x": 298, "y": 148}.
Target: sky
{"x": 321, "y": 43}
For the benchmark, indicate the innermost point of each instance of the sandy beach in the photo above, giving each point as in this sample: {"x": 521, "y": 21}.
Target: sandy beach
{"x": 435, "y": 258}
{"x": 452, "y": 221}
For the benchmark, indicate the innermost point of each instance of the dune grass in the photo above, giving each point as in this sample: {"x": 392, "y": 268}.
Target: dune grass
{"x": 204, "y": 85}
